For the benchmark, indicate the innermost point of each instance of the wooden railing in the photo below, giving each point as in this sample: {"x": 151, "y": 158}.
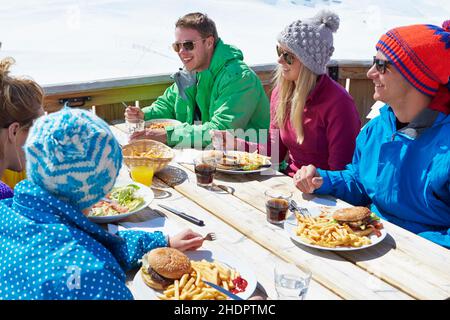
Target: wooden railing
{"x": 108, "y": 95}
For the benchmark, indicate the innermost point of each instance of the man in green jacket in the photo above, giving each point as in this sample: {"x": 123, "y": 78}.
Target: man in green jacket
{"x": 215, "y": 90}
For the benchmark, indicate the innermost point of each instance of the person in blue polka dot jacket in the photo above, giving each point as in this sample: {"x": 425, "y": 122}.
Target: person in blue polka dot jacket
{"x": 48, "y": 248}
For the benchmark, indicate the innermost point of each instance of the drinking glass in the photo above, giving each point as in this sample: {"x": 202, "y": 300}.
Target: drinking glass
{"x": 142, "y": 174}
{"x": 135, "y": 125}
{"x": 277, "y": 204}
{"x": 205, "y": 168}
{"x": 291, "y": 281}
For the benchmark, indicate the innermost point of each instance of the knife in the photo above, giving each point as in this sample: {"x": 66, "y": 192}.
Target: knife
{"x": 224, "y": 291}
{"x": 184, "y": 215}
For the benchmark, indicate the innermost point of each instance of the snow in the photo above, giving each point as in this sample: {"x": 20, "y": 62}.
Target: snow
{"x": 62, "y": 41}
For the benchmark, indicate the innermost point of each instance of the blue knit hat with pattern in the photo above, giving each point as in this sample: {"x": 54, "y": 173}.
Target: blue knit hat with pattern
{"x": 73, "y": 154}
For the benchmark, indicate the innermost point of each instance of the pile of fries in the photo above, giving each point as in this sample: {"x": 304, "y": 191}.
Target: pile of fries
{"x": 191, "y": 286}
{"x": 148, "y": 154}
{"x": 326, "y": 232}
{"x": 160, "y": 125}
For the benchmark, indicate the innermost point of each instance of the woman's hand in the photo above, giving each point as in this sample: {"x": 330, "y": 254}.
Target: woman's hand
{"x": 186, "y": 240}
{"x": 152, "y": 134}
{"x": 222, "y": 140}
{"x": 307, "y": 179}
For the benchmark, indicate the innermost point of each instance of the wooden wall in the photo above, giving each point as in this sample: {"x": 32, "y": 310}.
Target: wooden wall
{"x": 108, "y": 95}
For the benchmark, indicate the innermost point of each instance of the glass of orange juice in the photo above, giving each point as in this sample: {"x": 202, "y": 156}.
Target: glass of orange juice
{"x": 142, "y": 174}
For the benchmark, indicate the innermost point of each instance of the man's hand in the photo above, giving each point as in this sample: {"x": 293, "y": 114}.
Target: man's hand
{"x": 307, "y": 179}
{"x": 186, "y": 240}
{"x": 223, "y": 140}
{"x": 132, "y": 113}
{"x": 152, "y": 134}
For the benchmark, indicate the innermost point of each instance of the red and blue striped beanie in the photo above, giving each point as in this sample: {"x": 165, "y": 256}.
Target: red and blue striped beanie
{"x": 421, "y": 53}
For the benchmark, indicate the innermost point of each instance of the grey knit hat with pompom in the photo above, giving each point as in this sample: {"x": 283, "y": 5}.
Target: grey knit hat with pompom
{"x": 311, "y": 40}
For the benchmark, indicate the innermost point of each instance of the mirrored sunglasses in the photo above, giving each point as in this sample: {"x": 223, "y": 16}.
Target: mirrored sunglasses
{"x": 381, "y": 65}
{"x": 287, "y": 56}
{"x": 188, "y": 45}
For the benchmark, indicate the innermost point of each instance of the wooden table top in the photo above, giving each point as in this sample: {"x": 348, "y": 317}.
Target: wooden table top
{"x": 402, "y": 266}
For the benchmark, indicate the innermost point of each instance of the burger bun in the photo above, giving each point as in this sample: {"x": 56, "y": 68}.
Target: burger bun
{"x": 169, "y": 262}
{"x": 352, "y": 214}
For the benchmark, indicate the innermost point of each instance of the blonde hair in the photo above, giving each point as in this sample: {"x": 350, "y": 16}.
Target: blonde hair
{"x": 292, "y": 98}
{"x": 20, "y": 98}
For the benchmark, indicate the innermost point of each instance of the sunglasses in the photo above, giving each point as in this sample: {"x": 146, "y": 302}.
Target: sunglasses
{"x": 381, "y": 65}
{"x": 188, "y": 45}
{"x": 287, "y": 56}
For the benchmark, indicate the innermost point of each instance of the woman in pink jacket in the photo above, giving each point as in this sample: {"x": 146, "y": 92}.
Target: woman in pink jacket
{"x": 313, "y": 118}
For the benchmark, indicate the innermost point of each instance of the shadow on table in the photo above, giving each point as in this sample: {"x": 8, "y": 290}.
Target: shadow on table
{"x": 243, "y": 177}
{"x": 220, "y": 188}
{"x": 172, "y": 176}
{"x": 161, "y": 194}
{"x": 373, "y": 252}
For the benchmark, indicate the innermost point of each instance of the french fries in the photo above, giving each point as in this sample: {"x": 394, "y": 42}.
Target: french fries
{"x": 160, "y": 125}
{"x": 150, "y": 153}
{"x": 191, "y": 287}
{"x": 324, "y": 231}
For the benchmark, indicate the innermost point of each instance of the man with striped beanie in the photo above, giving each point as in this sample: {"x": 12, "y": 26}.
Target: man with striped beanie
{"x": 401, "y": 162}
{"x": 421, "y": 53}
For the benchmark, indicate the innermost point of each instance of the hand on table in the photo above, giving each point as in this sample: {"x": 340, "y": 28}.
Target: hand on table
{"x": 307, "y": 179}
{"x": 186, "y": 240}
{"x": 152, "y": 134}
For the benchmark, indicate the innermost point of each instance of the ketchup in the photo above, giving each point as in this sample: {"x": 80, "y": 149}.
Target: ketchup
{"x": 239, "y": 285}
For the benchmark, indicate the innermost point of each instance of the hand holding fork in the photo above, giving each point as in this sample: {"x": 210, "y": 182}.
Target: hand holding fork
{"x": 210, "y": 236}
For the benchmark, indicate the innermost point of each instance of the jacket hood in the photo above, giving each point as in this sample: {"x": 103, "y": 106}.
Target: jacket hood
{"x": 223, "y": 53}
{"x": 426, "y": 119}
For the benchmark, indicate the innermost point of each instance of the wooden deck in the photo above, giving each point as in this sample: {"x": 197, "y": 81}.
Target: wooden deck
{"x": 403, "y": 266}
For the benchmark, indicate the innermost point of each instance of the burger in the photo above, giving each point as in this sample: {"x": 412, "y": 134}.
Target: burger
{"x": 162, "y": 266}
{"x": 360, "y": 219}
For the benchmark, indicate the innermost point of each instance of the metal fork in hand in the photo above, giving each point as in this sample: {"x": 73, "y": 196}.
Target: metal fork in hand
{"x": 303, "y": 211}
{"x": 210, "y": 236}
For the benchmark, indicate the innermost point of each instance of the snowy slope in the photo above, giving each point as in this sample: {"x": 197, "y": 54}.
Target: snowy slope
{"x": 59, "y": 41}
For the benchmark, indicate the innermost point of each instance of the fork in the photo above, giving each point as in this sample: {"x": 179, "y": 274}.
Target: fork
{"x": 210, "y": 236}
{"x": 305, "y": 212}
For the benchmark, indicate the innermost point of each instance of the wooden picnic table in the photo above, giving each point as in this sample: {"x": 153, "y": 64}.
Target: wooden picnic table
{"x": 402, "y": 266}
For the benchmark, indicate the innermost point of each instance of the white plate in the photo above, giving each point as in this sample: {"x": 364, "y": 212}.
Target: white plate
{"x": 172, "y": 121}
{"x": 242, "y": 171}
{"x": 143, "y": 292}
{"x": 144, "y": 192}
{"x": 291, "y": 224}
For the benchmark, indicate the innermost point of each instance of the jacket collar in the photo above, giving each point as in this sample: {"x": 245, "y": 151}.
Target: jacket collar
{"x": 426, "y": 119}
{"x": 321, "y": 81}
{"x": 420, "y": 123}
{"x": 223, "y": 53}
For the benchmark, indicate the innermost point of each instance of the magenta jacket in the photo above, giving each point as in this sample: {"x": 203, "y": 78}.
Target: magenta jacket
{"x": 331, "y": 124}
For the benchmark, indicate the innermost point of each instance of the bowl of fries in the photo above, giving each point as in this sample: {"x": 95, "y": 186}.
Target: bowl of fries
{"x": 161, "y": 123}
{"x": 233, "y": 275}
{"x": 148, "y": 153}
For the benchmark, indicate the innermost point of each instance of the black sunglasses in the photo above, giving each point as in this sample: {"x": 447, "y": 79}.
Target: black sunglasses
{"x": 187, "y": 45}
{"x": 381, "y": 65}
{"x": 288, "y": 57}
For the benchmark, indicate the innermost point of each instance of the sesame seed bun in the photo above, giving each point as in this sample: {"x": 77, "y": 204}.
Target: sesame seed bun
{"x": 169, "y": 262}
{"x": 352, "y": 214}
